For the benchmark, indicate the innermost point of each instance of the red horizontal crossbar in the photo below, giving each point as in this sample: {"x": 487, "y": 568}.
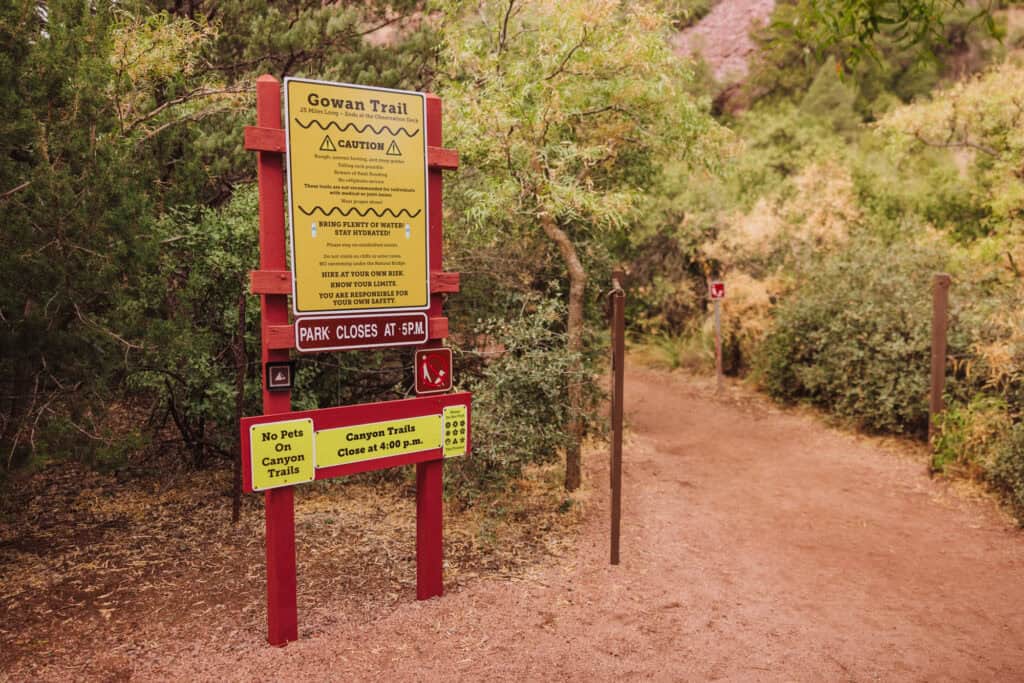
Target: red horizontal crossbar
{"x": 259, "y": 139}
{"x": 270, "y": 281}
{"x": 445, "y": 159}
{"x": 444, "y": 283}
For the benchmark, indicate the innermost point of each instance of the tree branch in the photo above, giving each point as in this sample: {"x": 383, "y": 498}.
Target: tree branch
{"x": 503, "y": 35}
{"x": 199, "y": 93}
{"x": 568, "y": 55}
{"x": 950, "y": 144}
{"x": 14, "y": 190}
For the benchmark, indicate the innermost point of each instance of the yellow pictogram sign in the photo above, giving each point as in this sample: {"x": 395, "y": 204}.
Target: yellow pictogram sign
{"x": 357, "y": 197}
{"x": 378, "y": 440}
{"x": 456, "y": 424}
{"x": 282, "y": 453}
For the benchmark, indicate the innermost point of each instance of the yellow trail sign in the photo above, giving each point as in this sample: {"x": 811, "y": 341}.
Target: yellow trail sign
{"x": 357, "y": 197}
{"x": 282, "y": 453}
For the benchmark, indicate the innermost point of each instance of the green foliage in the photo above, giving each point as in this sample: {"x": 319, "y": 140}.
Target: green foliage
{"x": 980, "y": 120}
{"x": 966, "y": 433}
{"x": 519, "y": 383}
{"x": 187, "y": 316}
{"x": 855, "y": 337}
{"x": 683, "y": 13}
{"x": 562, "y": 111}
{"x": 793, "y": 47}
{"x": 74, "y": 209}
{"x": 831, "y": 99}
{"x": 1007, "y": 472}
{"x": 852, "y": 27}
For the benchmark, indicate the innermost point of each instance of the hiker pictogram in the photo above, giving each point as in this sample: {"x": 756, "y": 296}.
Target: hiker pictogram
{"x": 433, "y": 370}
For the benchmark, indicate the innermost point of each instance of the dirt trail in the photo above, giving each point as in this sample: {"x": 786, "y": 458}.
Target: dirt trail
{"x": 758, "y": 545}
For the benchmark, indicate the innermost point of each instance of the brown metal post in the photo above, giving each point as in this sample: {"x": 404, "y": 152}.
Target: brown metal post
{"x": 940, "y": 324}
{"x": 718, "y": 345}
{"x": 618, "y": 297}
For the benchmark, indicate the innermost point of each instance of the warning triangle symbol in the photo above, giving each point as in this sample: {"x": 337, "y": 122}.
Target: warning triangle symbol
{"x": 281, "y": 377}
{"x": 393, "y": 150}
{"x": 328, "y": 145}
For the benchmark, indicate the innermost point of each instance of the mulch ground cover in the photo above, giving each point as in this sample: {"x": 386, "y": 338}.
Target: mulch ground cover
{"x": 98, "y": 570}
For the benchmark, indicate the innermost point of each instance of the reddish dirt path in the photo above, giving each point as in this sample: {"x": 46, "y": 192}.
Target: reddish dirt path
{"x": 759, "y": 545}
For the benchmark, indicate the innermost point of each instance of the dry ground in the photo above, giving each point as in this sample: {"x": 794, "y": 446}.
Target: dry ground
{"x": 759, "y": 544}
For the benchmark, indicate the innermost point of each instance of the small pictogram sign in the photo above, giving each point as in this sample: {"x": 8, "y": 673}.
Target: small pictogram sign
{"x": 717, "y": 290}
{"x": 456, "y": 428}
{"x": 280, "y": 376}
{"x": 393, "y": 150}
{"x": 328, "y": 145}
{"x": 433, "y": 370}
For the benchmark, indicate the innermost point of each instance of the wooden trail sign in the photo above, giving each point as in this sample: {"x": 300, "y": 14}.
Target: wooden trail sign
{"x": 399, "y": 274}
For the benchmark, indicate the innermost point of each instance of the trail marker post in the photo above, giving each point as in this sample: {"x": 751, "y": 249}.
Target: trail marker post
{"x": 618, "y": 325}
{"x": 716, "y": 292}
{"x": 940, "y": 327}
{"x": 365, "y": 206}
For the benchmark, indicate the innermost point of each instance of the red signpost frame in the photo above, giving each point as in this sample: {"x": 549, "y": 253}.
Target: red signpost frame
{"x": 273, "y": 283}
{"x": 430, "y": 475}
{"x": 282, "y": 604}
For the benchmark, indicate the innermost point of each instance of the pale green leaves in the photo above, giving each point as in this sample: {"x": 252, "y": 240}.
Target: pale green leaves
{"x": 570, "y": 101}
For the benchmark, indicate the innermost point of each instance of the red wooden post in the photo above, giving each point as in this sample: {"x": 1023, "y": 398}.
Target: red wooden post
{"x": 282, "y": 609}
{"x": 430, "y": 475}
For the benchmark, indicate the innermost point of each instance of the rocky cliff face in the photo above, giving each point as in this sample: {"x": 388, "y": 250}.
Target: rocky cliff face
{"x": 722, "y": 37}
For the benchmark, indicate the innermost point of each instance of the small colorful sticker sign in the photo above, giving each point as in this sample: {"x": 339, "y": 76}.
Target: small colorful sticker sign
{"x": 283, "y": 453}
{"x": 456, "y": 423}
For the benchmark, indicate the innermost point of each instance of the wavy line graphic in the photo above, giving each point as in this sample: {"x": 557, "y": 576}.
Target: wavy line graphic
{"x": 359, "y": 129}
{"x": 361, "y": 214}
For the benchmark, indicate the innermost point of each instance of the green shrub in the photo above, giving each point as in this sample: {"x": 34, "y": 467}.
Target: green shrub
{"x": 854, "y": 338}
{"x": 519, "y": 387}
{"x": 966, "y": 433}
{"x": 1007, "y": 473}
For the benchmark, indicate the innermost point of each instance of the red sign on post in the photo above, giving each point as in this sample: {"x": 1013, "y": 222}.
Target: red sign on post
{"x": 717, "y": 290}
{"x": 433, "y": 370}
{"x": 332, "y": 333}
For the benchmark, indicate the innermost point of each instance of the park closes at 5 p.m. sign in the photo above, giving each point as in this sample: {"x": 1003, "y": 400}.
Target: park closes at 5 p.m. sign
{"x": 357, "y": 198}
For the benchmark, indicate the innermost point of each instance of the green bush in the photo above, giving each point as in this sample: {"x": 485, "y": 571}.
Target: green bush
{"x": 1007, "y": 472}
{"x": 854, "y": 338}
{"x": 966, "y": 433}
{"x": 519, "y": 387}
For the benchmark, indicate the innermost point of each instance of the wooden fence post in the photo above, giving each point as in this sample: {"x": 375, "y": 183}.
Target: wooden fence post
{"x": 940, "y": 324}
{"x": 618, "y": 323}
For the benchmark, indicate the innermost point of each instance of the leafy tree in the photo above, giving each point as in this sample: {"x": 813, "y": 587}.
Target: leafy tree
{"x": 851, "y": 27}
{"x": 981, "y": 120}
{"x": 73, "y": 204}
{"x": 563, "y": 110}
